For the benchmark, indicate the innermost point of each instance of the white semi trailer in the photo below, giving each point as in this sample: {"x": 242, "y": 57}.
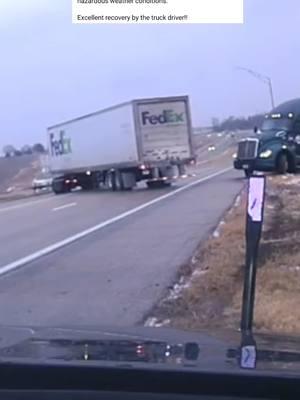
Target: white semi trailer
{"x": 149, "y": 139}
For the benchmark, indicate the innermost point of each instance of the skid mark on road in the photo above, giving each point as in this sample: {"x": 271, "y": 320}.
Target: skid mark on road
{"x": 56, "y": 246}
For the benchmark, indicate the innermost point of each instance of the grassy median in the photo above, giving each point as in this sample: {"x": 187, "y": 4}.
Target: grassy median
{"x": 208, "y": 294}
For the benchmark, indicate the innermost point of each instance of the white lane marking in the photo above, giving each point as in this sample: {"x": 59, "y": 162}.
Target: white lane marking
{"x": 63, "y": 207}
{"x": 56, "y": 246}
{"x": 203, "y": 162}
{"x": 29, "y": 203}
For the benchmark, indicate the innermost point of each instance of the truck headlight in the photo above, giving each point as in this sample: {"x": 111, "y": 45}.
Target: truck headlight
{"x": 234, "y": 156}
{"x": 266, "y": 154}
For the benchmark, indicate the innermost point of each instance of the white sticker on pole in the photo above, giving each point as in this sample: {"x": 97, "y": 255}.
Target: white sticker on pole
{"x": 256, "y": 198}
{"x": 248, "y": 357}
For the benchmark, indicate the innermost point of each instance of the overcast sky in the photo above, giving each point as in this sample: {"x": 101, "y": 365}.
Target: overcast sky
{"x": 51, "y": 70}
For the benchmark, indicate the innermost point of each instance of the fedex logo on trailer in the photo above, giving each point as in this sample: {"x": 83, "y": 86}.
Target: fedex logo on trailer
{"x": 165, "y": 117}
{"x": 60, "y": 146}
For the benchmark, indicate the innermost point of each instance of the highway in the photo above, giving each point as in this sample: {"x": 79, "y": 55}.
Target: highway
{"x": 104, "y": 258}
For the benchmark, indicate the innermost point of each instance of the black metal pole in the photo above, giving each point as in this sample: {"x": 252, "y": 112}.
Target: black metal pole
{"x": 253, "y": 233}
{"x": 271, "y": 92}
{"x": 254, "y": 222}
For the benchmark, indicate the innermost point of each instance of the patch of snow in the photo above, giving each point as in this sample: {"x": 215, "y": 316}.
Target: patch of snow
{"x": 194, "y": 260}
{"x": 237, "y": 201}
{"x": 150, "y": 322}
{"x": 216, "y": 233}
{"x": 198, "y": 272}
{"x": 293, "y": 269}
{"x": 162, "y": 323}
{"x": 294, "y": 181}
{"x": 10, "y": 189}
{"x": 175, "y": 291}
{"x": 296, "y": 268}
{"x": 153, "y": 322}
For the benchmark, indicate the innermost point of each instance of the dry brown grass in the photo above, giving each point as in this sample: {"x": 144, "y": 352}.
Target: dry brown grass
{"x": 277, "y": 300}
{"x": 213, "y": 296}
{"x": 278, "y": 281}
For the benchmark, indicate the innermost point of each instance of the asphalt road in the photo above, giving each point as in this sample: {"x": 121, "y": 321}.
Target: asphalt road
{"x": 104, "y": 258}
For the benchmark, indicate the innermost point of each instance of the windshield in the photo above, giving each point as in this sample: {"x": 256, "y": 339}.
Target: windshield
{"x": 127, "y": 140}
{"x": 277, "y": 124}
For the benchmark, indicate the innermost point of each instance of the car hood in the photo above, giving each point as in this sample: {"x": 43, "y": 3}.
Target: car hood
{"x": 146, "y": 348}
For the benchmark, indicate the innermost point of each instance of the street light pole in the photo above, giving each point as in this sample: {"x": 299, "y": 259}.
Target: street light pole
{"x": 265, "y": 79}
{"x": 271, "y": 93}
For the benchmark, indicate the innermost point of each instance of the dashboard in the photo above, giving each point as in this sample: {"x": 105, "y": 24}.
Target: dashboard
{"x": 45, "y": 382}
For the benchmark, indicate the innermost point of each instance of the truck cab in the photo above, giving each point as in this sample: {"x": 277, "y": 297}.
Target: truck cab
{"x": 276, "y": 146}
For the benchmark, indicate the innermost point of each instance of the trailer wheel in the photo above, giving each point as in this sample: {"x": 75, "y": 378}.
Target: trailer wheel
{"x": 127, "y": 180}
{"x": 61, "y": 191}
{"x": 119, "y": 181}
{"x": 86, "y": 184}
{"x": 158, "y": 184}
{"x": 59, "y": 187}
{"x": 57, "y": 192}
{"x": 113, "y": 180}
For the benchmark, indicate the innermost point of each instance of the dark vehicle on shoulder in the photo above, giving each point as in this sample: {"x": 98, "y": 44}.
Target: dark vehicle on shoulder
{"x": 276, "y": 147}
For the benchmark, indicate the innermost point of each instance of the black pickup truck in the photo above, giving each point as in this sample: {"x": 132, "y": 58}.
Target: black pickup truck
{"x": 276, "y": 146}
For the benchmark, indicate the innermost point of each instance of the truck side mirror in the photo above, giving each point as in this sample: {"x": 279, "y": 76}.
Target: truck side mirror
{"x": 255, "y": 129}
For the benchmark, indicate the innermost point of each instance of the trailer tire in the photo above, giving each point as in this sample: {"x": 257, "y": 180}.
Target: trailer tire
{"x": 128, "y": 180}
{"x": 113, "y": 180}
{"x": 119, "y": 181}
{"x": 109, "y": 180}
{"x": 158, "y": 184}
{"x": 86, "y": 184}
{"x": 58, "y": 187}
{"x": 57, "y": 192}
{"x": 120, "y": 184}
{"x": 61, "y": 191}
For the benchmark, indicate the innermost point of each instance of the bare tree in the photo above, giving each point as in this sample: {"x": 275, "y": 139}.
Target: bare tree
{"x": 9, "y": 150}
{"x": 26, "y": 149}
{"x": 38, "y": 148}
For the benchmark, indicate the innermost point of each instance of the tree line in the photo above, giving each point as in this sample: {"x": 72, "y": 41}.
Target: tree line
{"x": 11, "y": 151}
{"x": 229, "y": 124}
{"x": 237, "y": 123}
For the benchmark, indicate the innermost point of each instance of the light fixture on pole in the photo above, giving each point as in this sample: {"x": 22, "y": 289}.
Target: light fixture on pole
{"x": 265, "y": 79}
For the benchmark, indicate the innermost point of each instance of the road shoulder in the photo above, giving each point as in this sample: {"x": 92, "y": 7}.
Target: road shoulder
{"x": 208, "y": 291}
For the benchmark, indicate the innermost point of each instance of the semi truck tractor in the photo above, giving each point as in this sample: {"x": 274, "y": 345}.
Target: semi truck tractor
{"x": 276, "y": 145}
{"x": 142, "y": 140}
